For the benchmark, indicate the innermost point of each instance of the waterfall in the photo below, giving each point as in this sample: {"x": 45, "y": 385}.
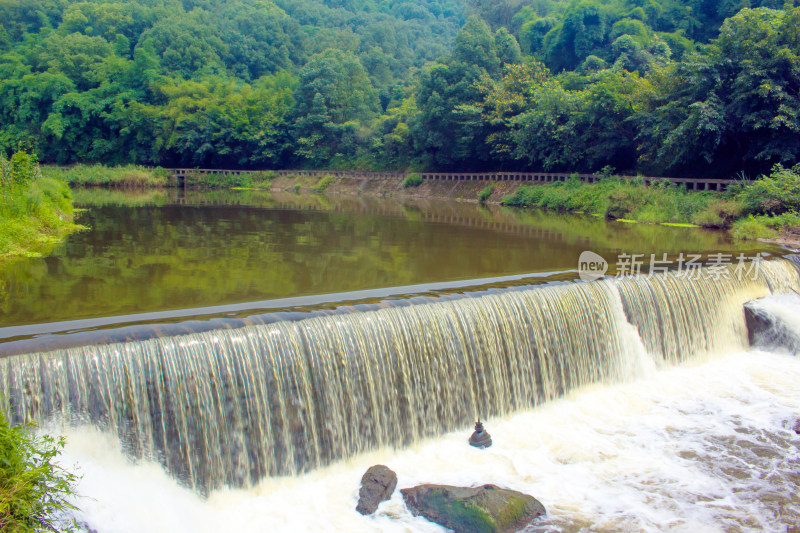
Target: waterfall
{"x": 229, "y": 407}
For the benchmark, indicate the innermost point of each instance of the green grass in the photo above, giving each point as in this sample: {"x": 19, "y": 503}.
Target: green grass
{"x": 765, "y": 226}
{"x": 247, "y": 180}
{"x": 485, "y": 193}
{"x": 323, "y": 183}
{"x": 35, "y": 211}
{"x": 751, "y": 228}
{"x": 756, "y": 210}
{"x": 679, "y": 225}
{"x": 34, "y": 489}
{"x": 97, "y": 197}
{"x": 129, "y": 176}
{"x": 616, "y": 198}
{"x": 412, "y": 180}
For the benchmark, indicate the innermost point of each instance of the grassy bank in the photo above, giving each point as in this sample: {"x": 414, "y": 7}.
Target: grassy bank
{"x": 250, "y": 180}
{"x": 138, "y": 177}
{"x": 34, "y": 490}
{"x": 763, "y": 208}
{"x": 128, "y": 177}
{"x": 619, "y": 198}
{"x": 36, "y": 212}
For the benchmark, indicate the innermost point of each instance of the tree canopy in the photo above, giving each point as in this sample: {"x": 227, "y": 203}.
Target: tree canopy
{"x": 672, "y": 87}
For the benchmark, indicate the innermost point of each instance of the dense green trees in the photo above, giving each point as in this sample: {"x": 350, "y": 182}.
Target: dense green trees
{"x": 674, "y": 87}
{"x": 730, "y": 107}
{"x": 210, "y": 82}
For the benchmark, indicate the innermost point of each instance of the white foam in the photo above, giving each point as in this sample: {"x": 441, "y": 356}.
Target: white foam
{"x": 672, "y": 451}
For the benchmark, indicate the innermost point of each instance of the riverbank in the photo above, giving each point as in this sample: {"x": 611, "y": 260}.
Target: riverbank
{"x": 614, "y": 198}
{"x": 36, "y": 212}
{"x": 765, "y": 209}
{"x": 125, "y": 177}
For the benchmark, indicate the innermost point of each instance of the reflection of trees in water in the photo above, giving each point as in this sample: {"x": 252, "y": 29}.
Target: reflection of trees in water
{"x": 240, "y": 246}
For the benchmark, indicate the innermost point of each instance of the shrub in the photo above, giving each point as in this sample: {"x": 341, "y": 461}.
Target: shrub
{"x": 774, "y": 194}
{"x": 622, "y": 202}
{"x": 34, "y": 489}
{"x": 485, "y": 193}
{"x": 412, "y": 180}
{"x": 262, "y": 178}
{"x": 781, "y": 222}
{"x": 751, "y": 228}
{"x": 719, "y": 213}
{"x": 324, "y": 182}
{"x": 21, "y": 169}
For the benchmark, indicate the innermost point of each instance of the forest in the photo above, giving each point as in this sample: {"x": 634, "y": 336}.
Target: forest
{"x": 658, "y": 87}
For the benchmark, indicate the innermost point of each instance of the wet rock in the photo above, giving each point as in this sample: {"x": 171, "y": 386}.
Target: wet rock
{"x": 377, "y": 485}
{"x": 480, "y": 438}
{"x": 765, "y": 329}
{"x": 486, "y": 509}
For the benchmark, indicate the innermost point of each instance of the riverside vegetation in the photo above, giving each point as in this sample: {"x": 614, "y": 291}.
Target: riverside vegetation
{"x": 752, "y": 209}
{"x": 36, "y": 212}
{"x": 658, "y": 87}
{"x": 35, "y": 492}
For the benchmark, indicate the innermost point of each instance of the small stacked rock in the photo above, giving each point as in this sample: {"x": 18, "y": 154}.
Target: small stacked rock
{"x": 480, "y": 438}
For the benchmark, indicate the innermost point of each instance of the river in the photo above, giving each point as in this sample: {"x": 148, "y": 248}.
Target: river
{"x": 234, "y": 361}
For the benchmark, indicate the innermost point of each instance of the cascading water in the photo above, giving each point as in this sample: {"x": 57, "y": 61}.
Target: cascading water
{"x": 234, "y": 406}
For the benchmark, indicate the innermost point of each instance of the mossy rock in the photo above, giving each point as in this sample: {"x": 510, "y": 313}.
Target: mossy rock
{"x": 485, "y": 509}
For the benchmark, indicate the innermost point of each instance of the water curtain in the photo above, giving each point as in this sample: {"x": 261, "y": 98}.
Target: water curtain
{"x": 229, "y": 407}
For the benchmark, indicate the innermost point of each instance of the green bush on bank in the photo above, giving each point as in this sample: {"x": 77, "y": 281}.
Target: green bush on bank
{"x": 765, "y": 226}
{"x": 35, "y": 211}
{"x": 775, "y": 194}
{"x": 412, "y": 180}
{"x": 485, "y": 193}
{"x": 129, "y": 176}
{"x": 323, "y": 183}
{"x": 34, "y": 489}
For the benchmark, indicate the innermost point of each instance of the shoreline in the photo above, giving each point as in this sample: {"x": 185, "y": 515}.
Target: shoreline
{"x": 625, "y": 201}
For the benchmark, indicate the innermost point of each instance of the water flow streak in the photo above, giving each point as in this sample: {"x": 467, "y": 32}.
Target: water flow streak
{"x": 233, "y": 406}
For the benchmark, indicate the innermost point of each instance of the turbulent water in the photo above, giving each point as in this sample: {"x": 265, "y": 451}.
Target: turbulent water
{"x": 702, "y": 448}
{"x": 232, "y": 407}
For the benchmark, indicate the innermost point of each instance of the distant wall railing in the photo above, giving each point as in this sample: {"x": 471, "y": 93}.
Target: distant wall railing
{"x": 692, "y": 184}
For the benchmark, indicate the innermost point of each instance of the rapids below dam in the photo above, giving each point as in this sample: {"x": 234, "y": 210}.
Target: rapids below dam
{"x": 625, "y": 404}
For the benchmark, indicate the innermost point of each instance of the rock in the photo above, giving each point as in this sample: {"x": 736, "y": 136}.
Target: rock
{"x": 766, "y": 322}
{"x": 486, "y": 509}
{"x": 480, "y": 438}
{"x": 797, "y": 427}
{"x": 377, "y": 485}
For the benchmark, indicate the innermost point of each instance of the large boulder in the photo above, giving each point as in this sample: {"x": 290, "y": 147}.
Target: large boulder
{"x": 772, "y": 322}
{"x": 377, "y": 485}
{"x": 486, "y": 509}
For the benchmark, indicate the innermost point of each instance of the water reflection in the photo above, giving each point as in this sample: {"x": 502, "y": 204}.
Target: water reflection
{"x": 159, "y": 250}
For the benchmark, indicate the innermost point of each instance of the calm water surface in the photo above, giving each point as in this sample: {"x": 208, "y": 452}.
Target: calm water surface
{"x": 156, "y": 251}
